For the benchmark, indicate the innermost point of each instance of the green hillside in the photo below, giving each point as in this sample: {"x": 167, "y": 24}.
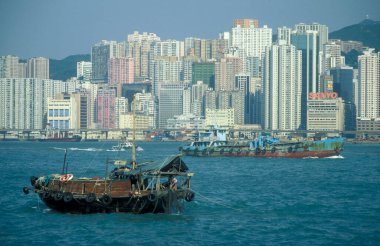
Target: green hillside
{"x": 67, "y": 67}
{"x": 367, "y": 32}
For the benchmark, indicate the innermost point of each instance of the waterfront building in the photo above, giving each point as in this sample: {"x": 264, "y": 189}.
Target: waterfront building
{"x": 242, "y": 84}
{"x": 369, "y": 85}
{"x": 371, "y": 127}
{"x": 325, "y": 114}
{"x": 220, "y": 117}
{"x": 282, "y": 81}
{"x": 37, "y": 67}
{"x": 141, "y": 121}
{"x": 63, "y": 112}
{"x": 84, "y": 71}
{"x": 186, "y": 121}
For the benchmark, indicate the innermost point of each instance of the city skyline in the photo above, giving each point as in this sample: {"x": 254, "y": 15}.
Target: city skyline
{"x": 57, "y": 29}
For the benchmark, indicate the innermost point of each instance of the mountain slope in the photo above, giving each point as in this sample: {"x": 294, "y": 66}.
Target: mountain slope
{"x": 367, "y": 32}
{"x": 67, "y": 67}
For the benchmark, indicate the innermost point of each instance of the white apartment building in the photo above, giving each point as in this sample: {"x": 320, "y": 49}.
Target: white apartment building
{"x": 282, "y": 84}
{"x": 325, "y": 114}
{"x": 37, "y": 67}
{"x": 251, "y": 41}
{"x": 369, "y": 85}
{"x": 84, "y": 71}
{"x": 62, "y": 113}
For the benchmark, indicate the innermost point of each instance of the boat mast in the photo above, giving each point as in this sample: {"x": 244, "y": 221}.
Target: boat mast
{"x": 134, "y": 133}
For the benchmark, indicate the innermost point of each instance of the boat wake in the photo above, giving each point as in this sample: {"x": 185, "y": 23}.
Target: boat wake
{"x": 335, "y": 157}
{"x": 87, "y": 149}
{"x": 115, "y": 150}
{"x": 311, "y": 157}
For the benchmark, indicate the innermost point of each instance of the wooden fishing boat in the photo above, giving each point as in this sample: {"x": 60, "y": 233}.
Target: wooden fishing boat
{"x": 153, "y": 187}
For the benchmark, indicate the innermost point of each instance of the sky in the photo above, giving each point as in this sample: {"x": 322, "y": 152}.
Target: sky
{"x": 59, "y": 28}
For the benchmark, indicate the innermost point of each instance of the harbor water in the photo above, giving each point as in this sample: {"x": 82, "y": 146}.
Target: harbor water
{"x": 243, "y": 201}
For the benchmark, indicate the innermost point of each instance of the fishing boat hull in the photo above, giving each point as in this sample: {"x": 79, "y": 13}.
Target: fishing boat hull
{"x": 152, "y": 188}
{"x": 165, "y": 202}
{"x": 307, "y": 149}
{"x": 278, "y": 154}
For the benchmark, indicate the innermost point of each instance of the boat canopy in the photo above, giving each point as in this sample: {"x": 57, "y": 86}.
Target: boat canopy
{"x": 171, "y": 164}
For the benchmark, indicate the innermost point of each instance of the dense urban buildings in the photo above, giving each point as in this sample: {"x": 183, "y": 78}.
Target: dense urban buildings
{"x": 242, "y": 78}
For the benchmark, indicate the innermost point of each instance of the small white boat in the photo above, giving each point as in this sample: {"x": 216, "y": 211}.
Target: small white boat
{"x": 123, "y": 146}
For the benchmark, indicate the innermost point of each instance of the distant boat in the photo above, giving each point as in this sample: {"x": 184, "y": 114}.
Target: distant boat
{"x": 123, "y": 146}
{"x": 265, "y": 146}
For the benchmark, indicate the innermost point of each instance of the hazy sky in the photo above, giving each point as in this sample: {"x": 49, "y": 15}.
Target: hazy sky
{"x": 58, "y": 28}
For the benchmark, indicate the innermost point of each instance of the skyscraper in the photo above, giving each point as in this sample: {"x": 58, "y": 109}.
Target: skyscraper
{"x": 282, "y": 87}
{"x": 170, "y": 103}
{"x": 308, "y": 42}
{"x": 369, "y": 85}
{"x": 100, "y": 56}
{"x": 343, "y": 85}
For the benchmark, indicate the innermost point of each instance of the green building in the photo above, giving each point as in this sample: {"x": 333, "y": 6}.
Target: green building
{"x": 204, "y": 71}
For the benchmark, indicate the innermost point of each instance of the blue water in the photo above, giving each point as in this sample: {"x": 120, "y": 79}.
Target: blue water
{"x": 244, "y": 201}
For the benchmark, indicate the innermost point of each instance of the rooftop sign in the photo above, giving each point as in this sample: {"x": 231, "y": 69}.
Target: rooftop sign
{"x": 322, "y": 95}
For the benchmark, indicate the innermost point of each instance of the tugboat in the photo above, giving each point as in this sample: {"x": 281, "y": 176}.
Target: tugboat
{"x": 154, "y": 187}
{"x": 264, "y": 146}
